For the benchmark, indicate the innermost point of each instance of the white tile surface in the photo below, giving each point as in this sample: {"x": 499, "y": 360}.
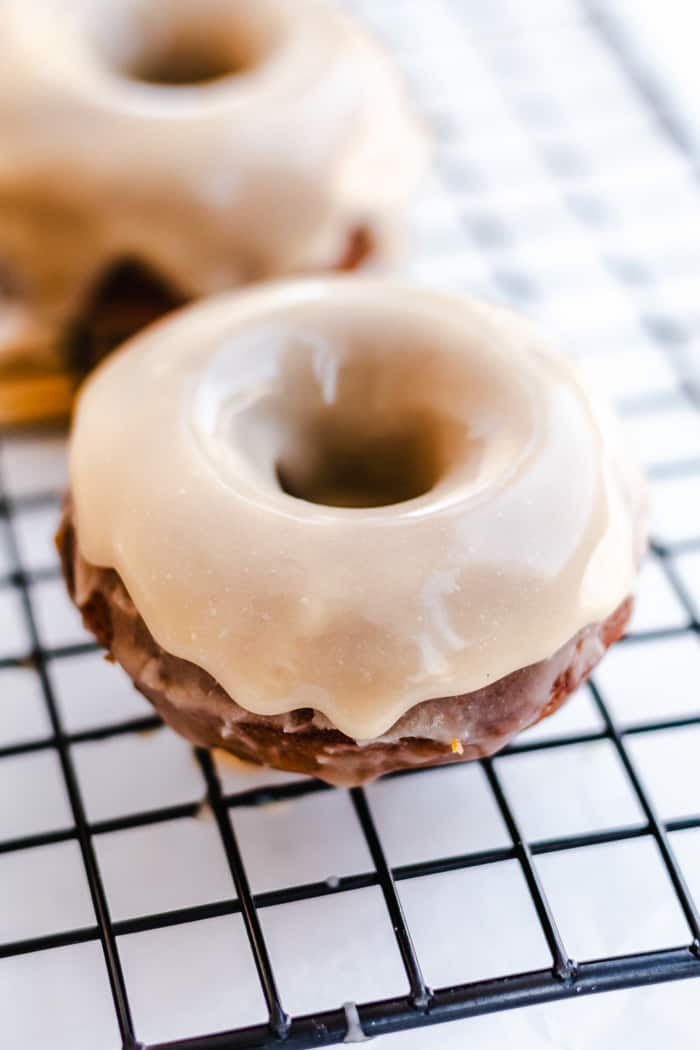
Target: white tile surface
{"x": 307, "y": 839}
{"x": 180, "y": 863}
{"x": 630, "y": 374}
{"x": 35, "y": 529}
{"x": 665, "y": 437}
{"x": 651, "y": 680}
{"x": 463, "y": 924}
{"x": 657, "y": 607}
{"x": 569, "y": 790}
{"x": 333, "y": 950}
{"x": 92, "y": 692}
{"x": 613, "y": 899}
{"x": 23, "y": 714}
{"x": 58, "y": 999}
{"x": 689, "y": 569}
{"x": 32, "y": 464}
{"x": 668, "y": 763}
{"x": 577, "y": 715}
{"x": 471, "y": 822}
{"x": 28, "y": 910}
{"x": 191, "y": 979}
{"x": 686, "y": 846}
{"x": 237, "y": 776}
{"x": 33, "y": 797}
{"x": 136, "y": 772}
{"x": 57, "y": 619}
{"x": 14, "y": 635}
{"x": 676, "y": 509}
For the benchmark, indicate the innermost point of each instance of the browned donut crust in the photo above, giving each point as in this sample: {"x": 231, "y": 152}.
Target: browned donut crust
{"x": 448, "y": 729}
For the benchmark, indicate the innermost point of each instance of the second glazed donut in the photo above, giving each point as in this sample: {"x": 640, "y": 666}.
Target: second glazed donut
{"x": 205, "y": 144}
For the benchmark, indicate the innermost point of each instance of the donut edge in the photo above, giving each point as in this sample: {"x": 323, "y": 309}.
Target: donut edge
{"x": 302, "y": 741}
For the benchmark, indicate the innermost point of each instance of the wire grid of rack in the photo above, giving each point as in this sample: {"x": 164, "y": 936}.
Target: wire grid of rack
{"x": 522, "y": 209}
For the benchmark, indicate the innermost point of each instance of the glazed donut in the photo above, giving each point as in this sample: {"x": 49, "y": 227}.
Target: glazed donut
{"x": 201, "y": 144}
{"x": 351, "y": 525}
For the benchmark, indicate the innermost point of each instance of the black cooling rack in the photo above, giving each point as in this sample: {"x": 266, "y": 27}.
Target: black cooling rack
{"x": 564, "y": 976}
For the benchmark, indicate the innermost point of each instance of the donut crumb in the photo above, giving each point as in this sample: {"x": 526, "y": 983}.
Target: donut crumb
{"x": 456, "y": 746}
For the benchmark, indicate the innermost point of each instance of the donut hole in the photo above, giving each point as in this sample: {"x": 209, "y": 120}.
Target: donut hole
{"x": 178, "y": 43}
{"x": 359, "y": 423}
{"x": 335, "y": 406}
{"x": 335, "y": 464}
{"x": 178, "y": 63}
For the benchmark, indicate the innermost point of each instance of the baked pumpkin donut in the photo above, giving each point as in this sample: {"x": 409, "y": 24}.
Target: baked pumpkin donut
{"x": 157, "y": 152}
{"x": 345, "y": 525}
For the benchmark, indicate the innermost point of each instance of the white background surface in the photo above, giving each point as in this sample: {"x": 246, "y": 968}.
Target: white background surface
{"x": 554, "y": 189}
